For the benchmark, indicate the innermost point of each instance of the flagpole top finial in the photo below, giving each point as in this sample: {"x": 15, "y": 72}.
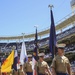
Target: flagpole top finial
{"x": 23, "y": 33}
{"x": 50, "y": 6}
{"x": 35, "y": 26}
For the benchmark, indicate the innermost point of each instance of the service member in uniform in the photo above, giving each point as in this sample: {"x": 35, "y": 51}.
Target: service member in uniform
{"x": 43, "y": 68}
{"x": 0, "y": 68}
{"x": 0, "y": 65}
{"x": 60, "y": 64}
{"x": 21, "y": 72}
{"x": 28, "y": 66}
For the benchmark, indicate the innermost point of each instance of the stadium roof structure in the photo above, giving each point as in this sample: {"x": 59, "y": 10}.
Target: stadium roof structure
{"x": 69, "y": 19}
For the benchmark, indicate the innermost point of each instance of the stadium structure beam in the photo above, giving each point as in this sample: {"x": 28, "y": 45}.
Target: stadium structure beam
{"x": 67, "y": 37}
{"x": 59, "y": 26}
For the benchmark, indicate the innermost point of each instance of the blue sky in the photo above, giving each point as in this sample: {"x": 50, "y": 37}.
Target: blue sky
{"x": 20, "y": 16}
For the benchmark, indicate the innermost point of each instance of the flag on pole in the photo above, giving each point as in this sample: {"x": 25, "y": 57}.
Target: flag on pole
{"x": 15, "y": 61}
{"x": 52, "y": 39}
{"x": 23, "y": 55}
{"x": 35, "y": 54}
{"x": 7, "y": 64}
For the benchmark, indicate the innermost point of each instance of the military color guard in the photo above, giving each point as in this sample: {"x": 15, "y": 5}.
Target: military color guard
{"x": 60, "y": 64}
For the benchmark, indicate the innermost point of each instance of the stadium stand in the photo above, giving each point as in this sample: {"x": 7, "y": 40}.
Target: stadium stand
{"x": 67, "y": 37}
{"x": 7, "y": 47}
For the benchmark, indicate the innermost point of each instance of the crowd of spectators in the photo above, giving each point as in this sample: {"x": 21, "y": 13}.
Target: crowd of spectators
{"x": 70, "y": 47}
{"x": 5, "y": 47}
{"x": 66, "y": 33}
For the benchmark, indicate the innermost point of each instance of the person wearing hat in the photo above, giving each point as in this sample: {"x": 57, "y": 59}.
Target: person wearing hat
{"x": 0, "y": 65}
{"x": 43, "y": 68}
{"x": 21, "y": 72}
{"x": 28, "y": 66}
{"x": 60, "y": 64}
{"x": 0, "y": 68}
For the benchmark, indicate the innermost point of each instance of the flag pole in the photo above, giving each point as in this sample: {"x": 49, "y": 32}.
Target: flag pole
{"x": 23, "y": 34}
{"x": 36, "y": 26}
{"x": 52, "y": 33}
{"x": 23, "y": 55}
{"x": 17, "y": 54}
{"x": 36, "y": 39}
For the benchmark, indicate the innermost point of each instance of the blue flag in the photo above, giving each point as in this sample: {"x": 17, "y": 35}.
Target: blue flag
{"x": 35, "y": 54}
{"x": 36, "y": 46}
{"x": 15, "y": 61}
{"x": 52, "y": 38}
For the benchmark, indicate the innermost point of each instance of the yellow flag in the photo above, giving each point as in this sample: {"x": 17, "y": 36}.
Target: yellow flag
{"x": 7, "y": 65}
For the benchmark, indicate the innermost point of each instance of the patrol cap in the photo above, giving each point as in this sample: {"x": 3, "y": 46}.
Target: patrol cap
{"x": 61, "y": 46}
{"x": 29, "y": 56}
{"x": 41, "y": 54}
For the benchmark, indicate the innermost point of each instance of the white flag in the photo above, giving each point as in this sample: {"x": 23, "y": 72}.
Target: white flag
{"x": 23, "y": 54}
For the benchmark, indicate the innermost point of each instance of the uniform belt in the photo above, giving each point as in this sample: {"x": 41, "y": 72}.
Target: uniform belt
{"x": 41, "y": 74}
{"x": 61, "y": 73}
{"x": 28, "y": 71}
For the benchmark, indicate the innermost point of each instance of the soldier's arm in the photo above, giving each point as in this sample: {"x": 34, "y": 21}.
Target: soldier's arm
{"x": 24, "y": 68}
{"x": 53, "y": 67}
{"x": 49, "y": 72}
{"x": 53, "y": 71}
{"x": 69, "y": 70}
{"x": 48, "y": 69}
{"x": 68, "y": 67}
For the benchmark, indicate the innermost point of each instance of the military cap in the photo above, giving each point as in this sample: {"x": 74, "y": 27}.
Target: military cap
{"x": 29, "y": 56}
{"x": 61, "y": 46}
{"x": 41, "y": 54}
